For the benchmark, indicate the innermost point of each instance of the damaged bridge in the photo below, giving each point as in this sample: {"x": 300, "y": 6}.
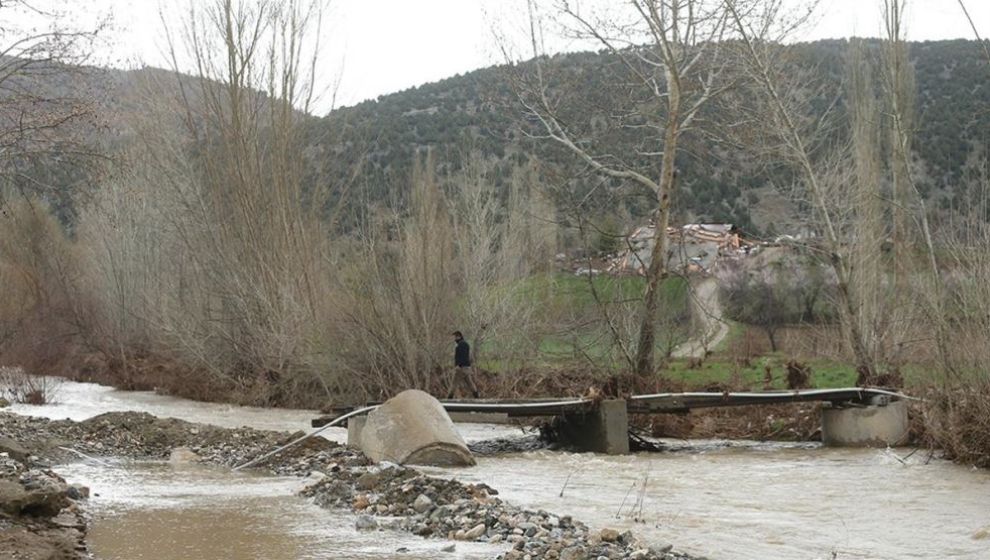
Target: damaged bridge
{"x": 852, "y": 416}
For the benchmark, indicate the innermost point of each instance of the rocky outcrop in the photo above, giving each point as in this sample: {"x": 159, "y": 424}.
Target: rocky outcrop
{"x": 412, "y": 428}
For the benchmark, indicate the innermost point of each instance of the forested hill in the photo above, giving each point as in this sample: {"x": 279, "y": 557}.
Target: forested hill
{"x": 477, "y": 112}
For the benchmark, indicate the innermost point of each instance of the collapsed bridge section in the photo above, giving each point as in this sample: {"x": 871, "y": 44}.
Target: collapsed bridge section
{"x": 852, "y": 416}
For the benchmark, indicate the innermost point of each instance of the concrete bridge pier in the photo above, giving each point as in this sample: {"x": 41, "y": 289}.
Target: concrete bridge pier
{"x": 882, "y": 423}
{"x": 605, "y": 429}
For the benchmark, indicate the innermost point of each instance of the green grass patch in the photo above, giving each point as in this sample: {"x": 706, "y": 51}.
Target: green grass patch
{"x": 826, "y": 374}
{"x": 571, "y": 306}
{"x": 578, "y": 292}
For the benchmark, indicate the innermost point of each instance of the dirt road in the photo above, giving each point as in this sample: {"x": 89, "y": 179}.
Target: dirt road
{"x": 707, "y": 311}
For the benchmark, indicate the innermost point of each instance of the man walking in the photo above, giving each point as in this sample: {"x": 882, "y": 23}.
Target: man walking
{"x": 462, "y": 367}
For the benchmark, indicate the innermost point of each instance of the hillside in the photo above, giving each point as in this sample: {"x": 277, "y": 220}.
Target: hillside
{"x": 477, "y": 112}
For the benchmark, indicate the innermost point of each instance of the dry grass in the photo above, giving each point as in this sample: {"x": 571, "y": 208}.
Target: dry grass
{"x": 957, "y": 422}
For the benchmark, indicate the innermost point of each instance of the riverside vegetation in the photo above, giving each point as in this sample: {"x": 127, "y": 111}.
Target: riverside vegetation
{"x": 249, "y": 251}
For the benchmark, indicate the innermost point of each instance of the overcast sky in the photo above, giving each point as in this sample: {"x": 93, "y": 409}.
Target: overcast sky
{"x": 382, "y": 46}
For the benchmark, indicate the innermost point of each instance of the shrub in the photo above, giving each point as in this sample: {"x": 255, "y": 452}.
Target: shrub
{"x": 18, "y": 386}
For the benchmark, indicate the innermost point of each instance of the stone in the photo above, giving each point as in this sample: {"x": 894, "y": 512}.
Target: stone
{"x": 528, "y": 529}
{"x": 422, "y": 503}
{"x": 361, "y": 502}
{"x": 661, "y": 548}
{"x": 609, "y": 535}
{"x": 573, "y": 553}
{"x": 77, "y": 492}
{"x": 413, "y": 428}
{"x": 337, "y": 491}
{"x": 449, "y": 548}
{"x": 68, "y": 520}
{"x": 13, "y": 449}
{"x": 4, "y": 403}
{"x": 474, "y": 532}
{"x": 182, "y": 455}
{"x": 365, "y": 523}
{"x": 367, "y": 481}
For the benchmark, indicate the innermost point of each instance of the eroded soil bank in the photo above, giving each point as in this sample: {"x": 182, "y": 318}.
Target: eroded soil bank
{"x": 40, "y": 516}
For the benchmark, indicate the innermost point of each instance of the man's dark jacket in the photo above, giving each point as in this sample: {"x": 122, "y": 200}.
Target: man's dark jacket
{"x": 462, "y": 354}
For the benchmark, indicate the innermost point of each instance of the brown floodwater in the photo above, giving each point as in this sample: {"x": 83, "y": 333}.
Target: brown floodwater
{"x": 747, "y": 500}
{"x": 162, "y": 511}
{"x": 724, "y": 500}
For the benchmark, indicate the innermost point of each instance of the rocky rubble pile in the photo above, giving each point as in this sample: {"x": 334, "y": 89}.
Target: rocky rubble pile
{"x": 394, "y": 497}
{"x": 140, "y": 435}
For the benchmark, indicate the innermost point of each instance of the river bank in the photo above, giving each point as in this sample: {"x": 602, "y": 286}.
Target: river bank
{"x": 388, "y": 497}
{"x": 40, "y": 514}
{"x": 714, "y": 498}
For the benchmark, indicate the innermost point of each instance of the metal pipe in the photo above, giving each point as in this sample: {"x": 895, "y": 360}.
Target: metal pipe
{"x": 334, "y": 422}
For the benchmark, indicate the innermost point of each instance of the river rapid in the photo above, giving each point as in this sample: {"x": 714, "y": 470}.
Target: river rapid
{"x": 724, "y": 500}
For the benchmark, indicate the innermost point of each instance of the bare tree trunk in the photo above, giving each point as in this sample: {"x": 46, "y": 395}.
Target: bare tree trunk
{"x": 867, "y": 210}
{"x": 657, "y": 271}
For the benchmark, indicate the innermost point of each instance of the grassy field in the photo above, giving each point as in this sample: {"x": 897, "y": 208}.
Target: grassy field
{"x": 574, "y": 329}
{"x": 719, "y": 370}
{"x": 577, "y": 335}
{"x": 578, "y": 292}
{"x": 566, "y": 294}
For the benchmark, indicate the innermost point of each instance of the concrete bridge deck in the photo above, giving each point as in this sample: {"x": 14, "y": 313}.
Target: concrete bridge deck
{"x": 654, "y": 403}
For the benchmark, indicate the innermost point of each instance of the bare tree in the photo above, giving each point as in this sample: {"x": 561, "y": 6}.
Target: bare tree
{"x": 867, "y": 211}
{"x": 454, "y": 257}
{"x": 209, "y": 248}
{"x": 671, "y": 57}
{"x": 800, "y": 140}
{"x": 47, "y": 118}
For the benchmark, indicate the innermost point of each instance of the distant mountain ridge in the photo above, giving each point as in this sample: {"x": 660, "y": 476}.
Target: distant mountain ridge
{"x": 476, "y": 111}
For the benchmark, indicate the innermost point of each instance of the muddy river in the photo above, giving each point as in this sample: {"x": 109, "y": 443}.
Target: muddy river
{"x": 719, "y": 499}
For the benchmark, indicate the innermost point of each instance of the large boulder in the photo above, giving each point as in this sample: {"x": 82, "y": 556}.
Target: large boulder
{"x": 44, "y": 499}
{"x": 412, "y": 428}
